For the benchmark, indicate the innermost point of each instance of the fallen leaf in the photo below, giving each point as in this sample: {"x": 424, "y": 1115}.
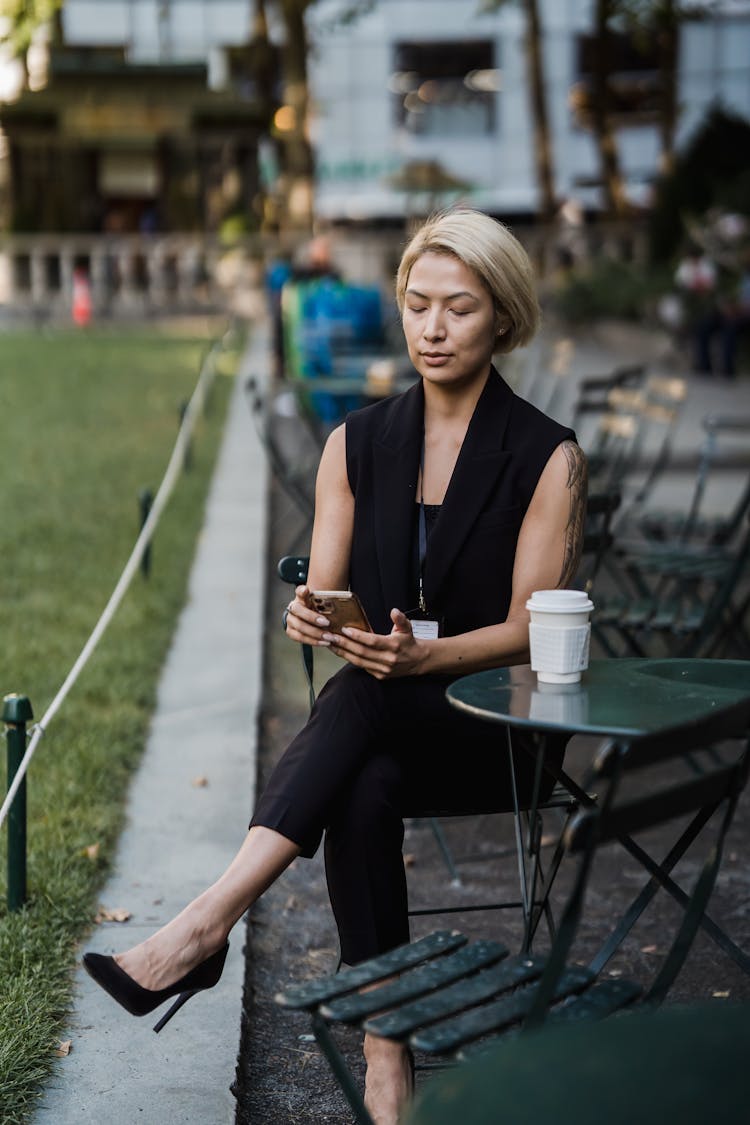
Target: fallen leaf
{"x": 118, "y": 914}
{"x": 721, "y": 995}
{"x": 320, "y": 954}
{"x": 63, "y": 1048}
{"x": 409, "y": 859}
{"x": 649, "y": 949}
{"x": 92, "y": 851}
{"x": 615, "y": 972}
{"x": 199, "y": 782}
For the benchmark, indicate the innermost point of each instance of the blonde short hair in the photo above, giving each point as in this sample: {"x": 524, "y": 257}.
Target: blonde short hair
{"x": 496, "y": 257}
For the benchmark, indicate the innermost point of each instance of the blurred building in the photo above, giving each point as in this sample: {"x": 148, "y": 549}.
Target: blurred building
{"x": 421, "y": 101}
{"x": 141, "y": 116}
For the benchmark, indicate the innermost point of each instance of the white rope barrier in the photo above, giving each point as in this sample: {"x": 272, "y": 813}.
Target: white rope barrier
{"x": 166, "y": 488}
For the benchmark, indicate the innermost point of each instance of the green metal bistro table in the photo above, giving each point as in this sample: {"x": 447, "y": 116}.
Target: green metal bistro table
{"x": 619, "y": 697}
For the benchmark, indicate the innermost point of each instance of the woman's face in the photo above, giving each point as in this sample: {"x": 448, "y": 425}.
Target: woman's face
{"x": 449, "y": 321}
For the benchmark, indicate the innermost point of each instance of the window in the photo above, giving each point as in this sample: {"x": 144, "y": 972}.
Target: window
{"x": 633, "y": 80}
{"x": 445, "y": 89}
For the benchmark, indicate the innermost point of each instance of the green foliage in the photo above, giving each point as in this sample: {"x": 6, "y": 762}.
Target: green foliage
{"x": 88, "y": 421}
{"x": 609, "y": 288}
{"x": 24, "y": 17}
{"x": 712, "y": 171}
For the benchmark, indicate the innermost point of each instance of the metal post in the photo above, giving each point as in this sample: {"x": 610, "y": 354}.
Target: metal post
{"x": 187, "y": 462}
{"x": 16, "y": 713}
{"x": 145, "y": 500}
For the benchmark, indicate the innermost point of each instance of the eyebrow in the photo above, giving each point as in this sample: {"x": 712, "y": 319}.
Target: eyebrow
{"x": 451, "y": 297}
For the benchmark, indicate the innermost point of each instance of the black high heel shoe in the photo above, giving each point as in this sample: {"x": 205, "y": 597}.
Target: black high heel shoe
{"x": 140, "y": 1001}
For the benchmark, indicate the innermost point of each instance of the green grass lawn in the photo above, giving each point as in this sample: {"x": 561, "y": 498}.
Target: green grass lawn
{"x": 86, "y": 421}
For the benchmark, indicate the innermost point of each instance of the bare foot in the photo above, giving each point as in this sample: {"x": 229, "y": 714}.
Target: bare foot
{"x": 389, "y": 1084}
{"x": 173, "y": 950}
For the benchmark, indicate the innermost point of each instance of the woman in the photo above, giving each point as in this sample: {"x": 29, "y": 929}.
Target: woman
{"x": 443, "y": 509}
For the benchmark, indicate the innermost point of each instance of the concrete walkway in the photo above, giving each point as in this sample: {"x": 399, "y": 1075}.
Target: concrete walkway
{"x": 180, "y": 835}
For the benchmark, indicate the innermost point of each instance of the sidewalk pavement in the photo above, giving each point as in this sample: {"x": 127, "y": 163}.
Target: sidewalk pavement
{"x": 180, "y": 836}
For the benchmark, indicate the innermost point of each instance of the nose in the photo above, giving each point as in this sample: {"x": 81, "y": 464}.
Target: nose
{"x": 434, "y": 326}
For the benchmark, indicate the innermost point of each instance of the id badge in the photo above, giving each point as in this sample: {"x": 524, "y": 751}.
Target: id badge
{"x": 424, "y": 628}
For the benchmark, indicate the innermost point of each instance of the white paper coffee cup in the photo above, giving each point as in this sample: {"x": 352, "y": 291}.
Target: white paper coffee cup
{"x": 559, "y": 634}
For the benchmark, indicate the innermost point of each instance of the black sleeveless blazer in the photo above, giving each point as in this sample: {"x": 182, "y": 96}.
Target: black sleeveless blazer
{"x": 469, "y": 566}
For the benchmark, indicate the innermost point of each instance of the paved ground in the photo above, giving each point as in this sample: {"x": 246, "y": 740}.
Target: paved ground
{"x": 179, "y": 836}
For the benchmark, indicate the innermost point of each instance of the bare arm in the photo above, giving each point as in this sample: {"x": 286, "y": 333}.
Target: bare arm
{"x": 547, "y": 555}
{"x": 331, "y": 541}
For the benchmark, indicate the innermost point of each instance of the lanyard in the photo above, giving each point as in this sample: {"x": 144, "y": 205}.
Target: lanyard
{"x": 422, "y": 533}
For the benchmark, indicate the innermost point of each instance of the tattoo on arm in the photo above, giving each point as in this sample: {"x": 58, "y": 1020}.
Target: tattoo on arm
{"x": 577, "y": 487}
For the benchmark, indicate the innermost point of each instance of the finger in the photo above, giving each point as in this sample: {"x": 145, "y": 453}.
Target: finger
{"x": 363, "y": 661}
{"x": 362, "y": 636}
{"x": 383, "y": 658}
{"x": 300, "y": 609}
{"x": 401, "y": 623}
{"x": 303, "y": 629}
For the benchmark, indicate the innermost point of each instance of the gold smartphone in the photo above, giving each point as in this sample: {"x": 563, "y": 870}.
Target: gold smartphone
{"x": 341, "y": 607}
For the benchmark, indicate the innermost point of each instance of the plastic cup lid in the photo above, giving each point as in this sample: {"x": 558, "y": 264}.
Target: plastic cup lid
{"x": 560, "y": 601}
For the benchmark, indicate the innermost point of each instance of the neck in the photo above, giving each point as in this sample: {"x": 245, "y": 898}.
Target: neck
{"x": 452, "y": 404}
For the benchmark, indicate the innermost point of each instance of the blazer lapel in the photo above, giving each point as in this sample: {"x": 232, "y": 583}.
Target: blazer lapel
{"x": 480, "y": 461}
{"x": 396, "y": 463}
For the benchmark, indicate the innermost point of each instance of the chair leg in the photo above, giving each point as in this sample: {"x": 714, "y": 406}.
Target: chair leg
{"x": 442, "y": 843}
{"x": 340, "y": 1070}
{"x": 660, "y": 877}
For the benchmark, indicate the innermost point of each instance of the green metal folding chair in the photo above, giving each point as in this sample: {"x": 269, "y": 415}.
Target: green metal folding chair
{"x": 451, "y": 999}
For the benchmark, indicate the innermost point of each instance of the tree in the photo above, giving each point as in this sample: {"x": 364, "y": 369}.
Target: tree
{"x": 290, "y": 119}
{"x": 537, "y": 94}
{"x": 654, "y": 24}
{"x": 22, "y": 19}
{"x": 657, "y": 22}
{"x": 601, "y": 116}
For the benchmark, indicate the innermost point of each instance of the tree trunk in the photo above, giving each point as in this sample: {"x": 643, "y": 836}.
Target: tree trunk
{"x": 296, "y": 148}
{"x": 262, "y": 62}
{"x": 542, "y": 139}
{"x": 611, "y": 174}
{"x": 668, "y": 33}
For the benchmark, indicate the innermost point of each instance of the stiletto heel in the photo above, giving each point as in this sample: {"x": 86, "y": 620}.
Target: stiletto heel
{"x": 181, "y": 999}
{"x": 140, "y": 1001}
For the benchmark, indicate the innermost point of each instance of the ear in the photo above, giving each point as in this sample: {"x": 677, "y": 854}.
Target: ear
{"x": 502, "y": 323}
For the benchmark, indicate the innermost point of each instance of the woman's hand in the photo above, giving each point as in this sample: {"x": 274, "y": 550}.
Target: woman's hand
{"x": 383, "y": 656}
{"x": 303, "y": 623}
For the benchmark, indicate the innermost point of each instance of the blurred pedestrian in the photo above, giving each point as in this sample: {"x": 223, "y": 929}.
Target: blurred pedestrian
{"x": 709, "y": 312}
{"x": 81, "y": 306}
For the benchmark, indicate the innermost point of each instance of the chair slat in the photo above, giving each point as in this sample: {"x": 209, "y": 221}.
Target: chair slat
{"x": 456, "y": 997}
{"x": 416, "y": 982}
{"x": 311, "y": 993}
{"x": 446, "y": 1037}
{"x": 597, "y": 1002}
{"x": 602, "y": 999}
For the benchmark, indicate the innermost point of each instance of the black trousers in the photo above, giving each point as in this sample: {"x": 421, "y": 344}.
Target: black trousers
{"x": 372, "y": 753}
